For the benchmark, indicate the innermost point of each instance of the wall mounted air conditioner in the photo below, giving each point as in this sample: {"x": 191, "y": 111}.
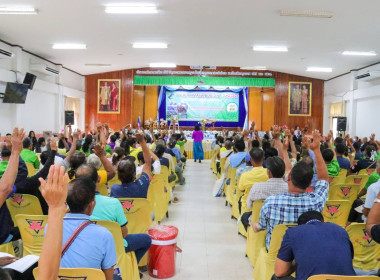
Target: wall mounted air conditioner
{"x": 44, "y": 69}
{"x": 370, "y": 75}
{"x": 5, "y": 54}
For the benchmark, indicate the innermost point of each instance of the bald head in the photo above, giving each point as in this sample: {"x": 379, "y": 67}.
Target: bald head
{"x": 228, "y": 144}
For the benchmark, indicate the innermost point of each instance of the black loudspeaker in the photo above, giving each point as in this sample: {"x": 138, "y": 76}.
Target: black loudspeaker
{"x": 29, "y": 80}
{"x": 69, "y": 117}
{"x": 341, "y": 124}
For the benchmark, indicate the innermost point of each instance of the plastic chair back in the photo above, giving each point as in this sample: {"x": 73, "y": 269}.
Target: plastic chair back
{"x": 343, "y": 172}
{"x": 138, "y": 212}
{"x": 103, "y": 190}
{"x": 23, "y": 204}
{"x": 114, "y": 181}
{"x": 340, "y": 277}
{"x": 31, "y": 170}
{"x": 337, "y": 180}
{"x": 368, "y": 171}
{"x": 7, "y": 248}
{"x": 32, "y": 230}
{"x": 344, "y": 192}
{"x": 366, "y": 251}
{"x": 255, "y": 241}
{"x": 222, "y": 163}
{"x": 158, "y": 197}
{"x": 337, "y": 211}
{"x": 357, "y": 179}
{"x": 77, "y": 274}
{"x": 126, "y": 262}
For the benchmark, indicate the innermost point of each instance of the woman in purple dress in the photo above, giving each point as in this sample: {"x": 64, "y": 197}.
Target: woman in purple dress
{"x": 197, "y": 144}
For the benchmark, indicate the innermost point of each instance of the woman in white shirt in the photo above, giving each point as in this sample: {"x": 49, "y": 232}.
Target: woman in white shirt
{"x": 156, "y": 164}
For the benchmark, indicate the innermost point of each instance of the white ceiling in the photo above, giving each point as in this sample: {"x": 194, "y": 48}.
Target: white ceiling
{"x": 199, "y": 32}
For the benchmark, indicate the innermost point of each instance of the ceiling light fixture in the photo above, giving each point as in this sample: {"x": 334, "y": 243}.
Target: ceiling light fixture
{"x": 97, "y": 65}
{"x": 371, "y": 53}
{"x": 254, "y": 68}
{"x": 150, "y": 45}
{"x": 69, "y": 46}
{"x": 270, "y": 48}
{"x": 18, "y": 11}
{"x": 162, "y": 65}
{"x": 319, "y": 69}
{"x": 306, "y": 13}
{"x": 132, "y": 9}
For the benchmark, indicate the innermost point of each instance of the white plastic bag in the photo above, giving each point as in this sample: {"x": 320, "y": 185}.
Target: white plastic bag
{"x": 217, "y": 191}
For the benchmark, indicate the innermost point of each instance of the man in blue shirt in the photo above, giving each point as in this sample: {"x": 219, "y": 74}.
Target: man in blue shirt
{"x": 94, "y": 247}
{"x": 238, "y": 158}
{"x": 344, "y": 163}
{"x": 177, "y": 151}
{"x": 110, "y": 209}
{"x": 313, "y": 248}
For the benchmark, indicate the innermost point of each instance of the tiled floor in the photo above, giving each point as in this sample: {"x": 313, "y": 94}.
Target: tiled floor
{"x": 212, "y": 248}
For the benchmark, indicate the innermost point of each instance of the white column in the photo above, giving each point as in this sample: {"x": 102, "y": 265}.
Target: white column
{"x": 351, "y": 118}
{"x": 82, "y": 116}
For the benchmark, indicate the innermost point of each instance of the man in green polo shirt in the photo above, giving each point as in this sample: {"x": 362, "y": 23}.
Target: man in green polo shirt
{"x": 331, "y": 162}
{"x": 28, "y": 155}
{"x": 5, "y": 154}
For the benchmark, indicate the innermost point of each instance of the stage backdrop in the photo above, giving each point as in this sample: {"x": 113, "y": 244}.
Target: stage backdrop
{"x": 224, "y": 105}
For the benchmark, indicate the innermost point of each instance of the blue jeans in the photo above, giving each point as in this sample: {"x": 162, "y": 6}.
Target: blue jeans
{"x": 139, "y": 243}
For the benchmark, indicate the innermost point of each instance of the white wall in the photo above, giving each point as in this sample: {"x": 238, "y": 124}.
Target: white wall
{"x": 362, "y": 102}
{"x": 44, "y": 107}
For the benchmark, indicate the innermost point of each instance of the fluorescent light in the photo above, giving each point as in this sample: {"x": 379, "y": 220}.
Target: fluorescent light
{"x": 97, "y": 65}
{"x": 162, "y": 65}
{"x": 371, "y": 53}
{"x": 132, "y": 9}
{"x": 306, "y": 13}
{"x": 319, "y": 69}
{"x": 69, "y": 46}
{"x": 18, "y": 10}
{"x": 254, "y": 68}
{"x": 150, "y": 45}
{"x": 270, "y": 48}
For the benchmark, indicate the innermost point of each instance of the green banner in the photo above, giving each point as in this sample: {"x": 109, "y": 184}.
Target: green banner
{"x": 210, "y": 81}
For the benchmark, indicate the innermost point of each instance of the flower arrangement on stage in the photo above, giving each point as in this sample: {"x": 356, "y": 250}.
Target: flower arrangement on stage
{"x": 163, "y": 123}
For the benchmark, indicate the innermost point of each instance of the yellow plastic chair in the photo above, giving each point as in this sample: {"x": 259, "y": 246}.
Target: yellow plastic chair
{"x": 32, "y": 230}
{"x": 126, "y": 262}
{"x": 344, "y": 192}
{"x": 230, "y": 188}
{"x": 368, "y": 171}
{"x": 264, "y": 267}
{"x": 114, "y": 181}
{"x": 77, "y": 273}
{"x": 366, "y": 251}
{"x": 255, "y": 241}
{"x": 235, "y": 213}
{"x": 23, "y": 204}
{"x": 357, "y": 179}
{"x": 343, "y": 172}
{"x": 7, "y": 248}
{"x": 138, "y": 212}
{"x": 165, "y": 176}
{"x": 103, "y": 190}
{"x": 341, "y": 277}
{"x": 222, "y": 163}
{"x": 158, "y": 197}
{"x": 337, "y": 180}
{"x": 31, "y": 170}
{"x": 337, "y": 211}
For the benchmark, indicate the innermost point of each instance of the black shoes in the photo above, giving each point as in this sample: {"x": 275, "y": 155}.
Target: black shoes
{"x": 199, "y": 161}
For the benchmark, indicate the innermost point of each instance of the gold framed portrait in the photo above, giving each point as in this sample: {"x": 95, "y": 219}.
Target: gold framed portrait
{"x": 299, "y": 99}
{"x": 109, "y": 96}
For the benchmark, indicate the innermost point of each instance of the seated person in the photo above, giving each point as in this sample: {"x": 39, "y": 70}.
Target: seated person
{"x": 331, "y": 162}
{"x": 314, "y": 247}
{"x": 358, "y": 152}
{"x": 172, "y": 147}
{"x": 372, "y": 193}
{"x": 226, "y": 150}
{"x": 94, "y": 247}
{"x": 285, "y": 208}
{"x": 344, "y": 163}
{"x": 131, "y": 187}
{"x": 238, "y": 159}
{"x": 112, "y": 142}
{"x": 248, "y": 179}
{"x": 156, "y": 164}
{"x": 366, "y": 162}
{"x": 28, "y": 155}
{"x": 159, "y": 151}
{"x": 110, "y": 209}
{"x": 97, "y": 159}
{"x": 242, "y": 169}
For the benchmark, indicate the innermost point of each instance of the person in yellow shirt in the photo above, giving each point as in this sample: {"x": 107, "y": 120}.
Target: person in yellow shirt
{"x": 257, "y": 175}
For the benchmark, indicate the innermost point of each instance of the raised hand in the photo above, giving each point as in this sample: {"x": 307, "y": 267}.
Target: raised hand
{"x": 285, "y": 144}
{"x": 316, "y": 140}
{"x": 54, "y": 190}
{"x": 276, "y": 132}
{"x": 16, "y": 140}
{"x": 139, "y": 137}
{"x": 98, "y": 150}
{"x": 53, "y": 144}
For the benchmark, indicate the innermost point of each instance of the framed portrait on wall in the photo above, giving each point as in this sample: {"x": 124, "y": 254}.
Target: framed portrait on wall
{"x": 299, "y": 99}
{"x": 109, "y": 96}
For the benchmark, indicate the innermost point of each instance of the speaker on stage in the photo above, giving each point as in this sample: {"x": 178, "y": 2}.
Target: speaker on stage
{"x": 69, "y": 117}
{"x": 341, "y": 124}
{"x": 29, "y": 80}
